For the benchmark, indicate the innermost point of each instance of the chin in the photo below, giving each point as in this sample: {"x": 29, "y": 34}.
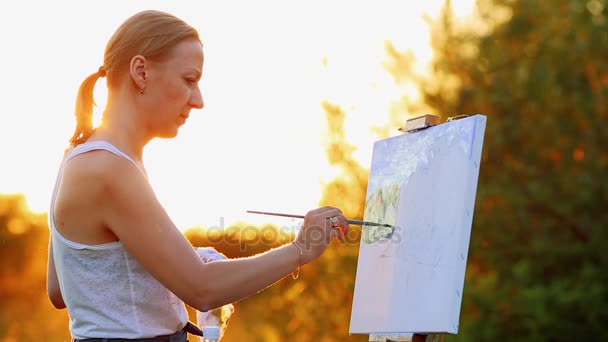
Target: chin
{"x": 168, "y": 134}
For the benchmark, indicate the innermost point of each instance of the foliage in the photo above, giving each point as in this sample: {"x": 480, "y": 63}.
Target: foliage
{"x": 26, "y": 314}
{"x": 538, "y": 70}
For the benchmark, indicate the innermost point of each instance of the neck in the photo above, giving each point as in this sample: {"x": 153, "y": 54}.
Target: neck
{"x": 122, "y": 126}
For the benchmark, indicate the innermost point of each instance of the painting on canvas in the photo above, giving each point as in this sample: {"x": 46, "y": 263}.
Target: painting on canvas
{"x": 410, "y": 278}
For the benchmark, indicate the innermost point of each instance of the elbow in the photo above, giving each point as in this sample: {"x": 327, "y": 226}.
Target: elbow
{"x": 55, "y": 297}
{"x": 205, "y": 298}
{"x": 206, "y": 295}
{"x": 58, "y": 304}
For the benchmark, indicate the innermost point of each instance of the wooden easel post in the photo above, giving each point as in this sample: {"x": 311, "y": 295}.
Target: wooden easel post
{"x": 427, "y": 338}
{"x": 405, "y": 338}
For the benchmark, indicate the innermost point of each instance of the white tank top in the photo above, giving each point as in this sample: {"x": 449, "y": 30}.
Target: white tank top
{"x": 106, "y": 291}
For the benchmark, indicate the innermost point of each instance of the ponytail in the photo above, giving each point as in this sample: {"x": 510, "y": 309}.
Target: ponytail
{"x": 84, "y": 108}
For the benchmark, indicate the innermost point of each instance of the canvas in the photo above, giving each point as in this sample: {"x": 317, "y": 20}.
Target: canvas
{"x": 410, "y": 278}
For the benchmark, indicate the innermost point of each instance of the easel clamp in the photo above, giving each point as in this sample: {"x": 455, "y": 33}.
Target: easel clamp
{"x": 420, "y": 122}
{"x": 426, "y": 121}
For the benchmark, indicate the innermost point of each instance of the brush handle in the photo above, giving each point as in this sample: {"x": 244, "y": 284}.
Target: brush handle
{"x": 357, "y": 222}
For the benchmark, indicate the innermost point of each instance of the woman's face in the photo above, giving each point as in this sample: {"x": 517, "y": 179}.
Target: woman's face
{"x": 172, "y": 88}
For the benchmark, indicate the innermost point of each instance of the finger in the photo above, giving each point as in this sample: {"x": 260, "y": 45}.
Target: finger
{"x": 335, "y": 211}
{"x": 343, "y": 222}
{"x": 332, "y": 214}
{"x": 329, "y": 211}
{"x": 323, "y": 210}
{"x": 329, "y": 234}
{"x": 339, "y": 234}
{"x": 343, "y": 232}
{"x": 338, "y": 226}
{"x": 333, "y": 222}
{"x": 340, "y": 221}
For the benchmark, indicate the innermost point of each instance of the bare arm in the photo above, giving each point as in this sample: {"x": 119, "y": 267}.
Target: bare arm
{"x": 133, "y": 213}
{"x": 52, "y": 283}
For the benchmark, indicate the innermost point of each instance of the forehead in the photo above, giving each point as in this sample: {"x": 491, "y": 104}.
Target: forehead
{"x": 186, "y": 54}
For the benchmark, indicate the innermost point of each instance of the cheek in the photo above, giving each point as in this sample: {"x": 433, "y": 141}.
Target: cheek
{"x": 167, "y": 100}
{"x": 177, "y": 94}
{"x": 165, "y": 85}
{"x": 170, "y": 90}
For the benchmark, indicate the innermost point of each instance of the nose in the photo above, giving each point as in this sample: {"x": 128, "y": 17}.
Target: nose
{"x": 196, "y": 99}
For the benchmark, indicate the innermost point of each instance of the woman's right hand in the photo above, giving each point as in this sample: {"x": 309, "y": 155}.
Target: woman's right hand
{"x": 320, "y": 226}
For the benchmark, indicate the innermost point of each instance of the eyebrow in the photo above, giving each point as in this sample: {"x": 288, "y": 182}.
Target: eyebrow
{"x": 197, "y": 71}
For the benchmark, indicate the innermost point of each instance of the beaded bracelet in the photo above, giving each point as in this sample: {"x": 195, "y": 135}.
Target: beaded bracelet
{"x": 296, "y": 273}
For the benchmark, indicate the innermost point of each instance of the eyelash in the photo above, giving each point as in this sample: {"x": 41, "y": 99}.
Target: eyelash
{"x": 190, "y": 80}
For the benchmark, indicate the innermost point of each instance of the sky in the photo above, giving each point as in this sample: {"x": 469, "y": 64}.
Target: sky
{"x": 269, "y": 65}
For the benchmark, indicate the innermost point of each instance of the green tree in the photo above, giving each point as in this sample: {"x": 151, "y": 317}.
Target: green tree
{"x": 538, "y": 70}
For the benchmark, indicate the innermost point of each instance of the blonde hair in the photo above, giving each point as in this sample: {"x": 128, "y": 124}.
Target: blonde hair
{"x": 150, "y": 34}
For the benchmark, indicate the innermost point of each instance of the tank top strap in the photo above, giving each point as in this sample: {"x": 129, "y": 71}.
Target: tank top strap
{"x": 100, "y": 145}
{"x": 80, "y": 149}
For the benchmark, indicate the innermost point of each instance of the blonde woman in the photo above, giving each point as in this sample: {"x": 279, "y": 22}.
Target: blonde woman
{"x": 116, "y": 260}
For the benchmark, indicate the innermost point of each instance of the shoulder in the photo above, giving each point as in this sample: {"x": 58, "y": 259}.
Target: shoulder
{"x": 100, "y": 169}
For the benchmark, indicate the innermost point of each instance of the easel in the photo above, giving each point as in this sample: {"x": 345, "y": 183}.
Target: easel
{"x": 405, "y": 337}
{"x": 413, "y": 125}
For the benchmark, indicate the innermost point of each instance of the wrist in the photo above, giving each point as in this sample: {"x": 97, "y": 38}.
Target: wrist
{"x": 296, "y": 273}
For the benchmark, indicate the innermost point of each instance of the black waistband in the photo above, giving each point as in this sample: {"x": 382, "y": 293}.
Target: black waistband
{"x": 178, "y": 336}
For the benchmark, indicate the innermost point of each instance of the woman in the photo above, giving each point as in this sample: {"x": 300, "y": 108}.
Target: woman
{"x": 116, "y": 260}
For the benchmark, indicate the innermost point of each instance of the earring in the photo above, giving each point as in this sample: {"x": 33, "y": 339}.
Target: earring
{"x": 141, "y": 91}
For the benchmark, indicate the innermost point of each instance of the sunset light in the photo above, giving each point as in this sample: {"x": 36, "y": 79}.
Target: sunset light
{"x": 258, "y": 143}
{"x": 494, "y": 217}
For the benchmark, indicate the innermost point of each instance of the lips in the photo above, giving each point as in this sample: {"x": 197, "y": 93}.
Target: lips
{"x": 182, "y": 119}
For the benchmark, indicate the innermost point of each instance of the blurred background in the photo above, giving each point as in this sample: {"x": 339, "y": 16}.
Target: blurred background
{"x": 323, "y": 81}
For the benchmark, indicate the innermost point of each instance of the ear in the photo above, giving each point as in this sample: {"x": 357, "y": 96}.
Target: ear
{"x": 138, "y": 69}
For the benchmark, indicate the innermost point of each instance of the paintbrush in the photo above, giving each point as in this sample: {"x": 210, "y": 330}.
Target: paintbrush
{"x": 358, "y": 222}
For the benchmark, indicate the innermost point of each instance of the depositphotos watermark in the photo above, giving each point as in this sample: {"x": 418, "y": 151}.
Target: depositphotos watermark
{"x": 275, "y": 235}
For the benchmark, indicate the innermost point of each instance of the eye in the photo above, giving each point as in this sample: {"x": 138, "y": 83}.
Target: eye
{"x": 191, "y": 80}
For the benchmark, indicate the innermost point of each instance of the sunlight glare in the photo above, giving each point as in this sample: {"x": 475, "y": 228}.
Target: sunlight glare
{"x": 257, "y": 144}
